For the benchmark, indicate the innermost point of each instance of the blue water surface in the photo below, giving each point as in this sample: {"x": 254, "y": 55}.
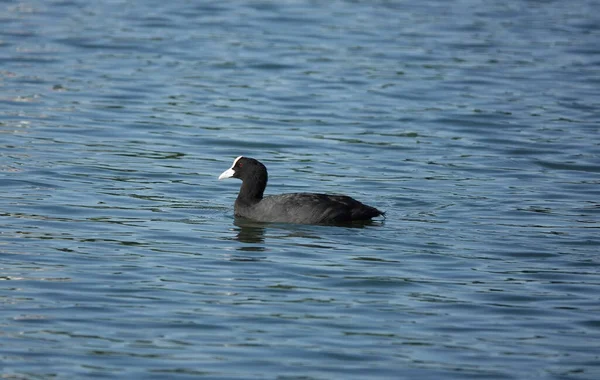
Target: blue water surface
{"x": 473, "y": 124}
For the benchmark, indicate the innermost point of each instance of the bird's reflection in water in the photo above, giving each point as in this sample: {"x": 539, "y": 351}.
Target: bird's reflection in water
{"x": 252, "y": 235}
{"x": 249, "y": 231}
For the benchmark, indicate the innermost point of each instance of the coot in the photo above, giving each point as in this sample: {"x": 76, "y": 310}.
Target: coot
{"x": 305, "y": 208}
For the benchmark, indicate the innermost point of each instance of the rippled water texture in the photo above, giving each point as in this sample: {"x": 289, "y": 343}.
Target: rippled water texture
{"x": 474, "y": 124}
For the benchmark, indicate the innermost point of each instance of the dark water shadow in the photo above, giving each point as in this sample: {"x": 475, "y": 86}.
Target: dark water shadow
{"x": 249, "y": 231}
{"x": 259, "y": 237}
{"x": 253, "y": 233}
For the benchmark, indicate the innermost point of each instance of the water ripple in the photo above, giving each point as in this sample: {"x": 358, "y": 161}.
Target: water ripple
{"x": 472, "y": 125}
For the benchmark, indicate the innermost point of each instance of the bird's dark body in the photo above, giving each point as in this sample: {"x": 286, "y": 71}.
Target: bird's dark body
{"x": 306, "y": 208}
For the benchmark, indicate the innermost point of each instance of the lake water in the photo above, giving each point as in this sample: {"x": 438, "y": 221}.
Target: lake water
{"x": 475, "y": 125}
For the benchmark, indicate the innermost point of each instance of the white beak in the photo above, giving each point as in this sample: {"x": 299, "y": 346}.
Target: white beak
{"x": 230, "y": 172}
{"x": 227, "y": 173}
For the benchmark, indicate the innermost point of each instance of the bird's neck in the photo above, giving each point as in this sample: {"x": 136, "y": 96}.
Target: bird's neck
{"x": 252, "y": 189}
